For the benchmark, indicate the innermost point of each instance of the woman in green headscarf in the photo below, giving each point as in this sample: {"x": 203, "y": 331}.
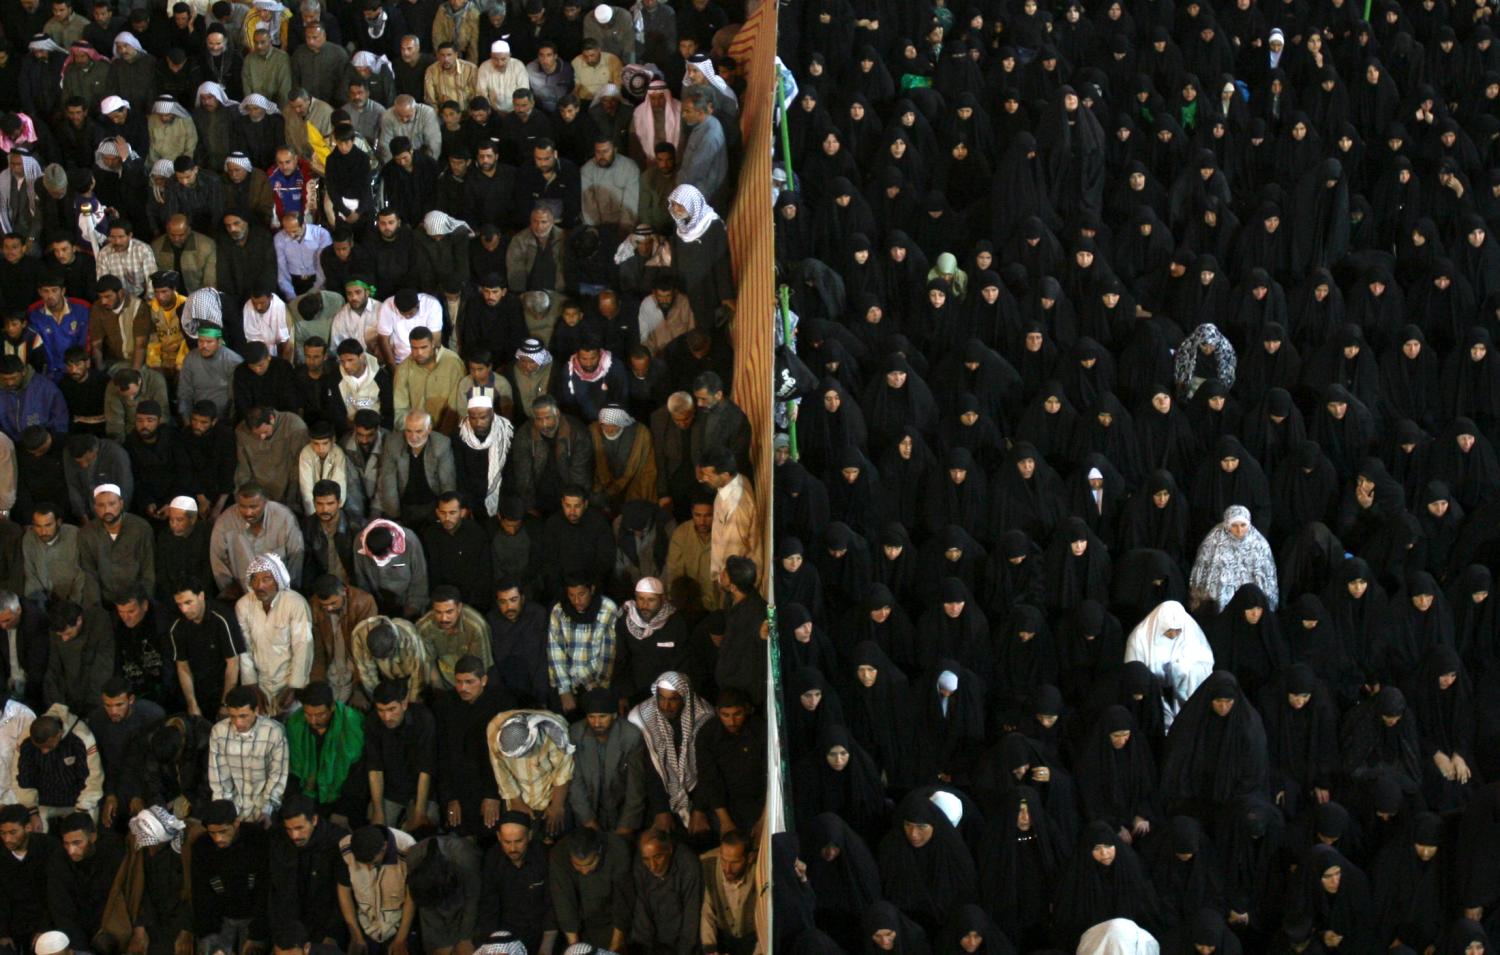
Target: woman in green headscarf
{"x": 946, "y": 269}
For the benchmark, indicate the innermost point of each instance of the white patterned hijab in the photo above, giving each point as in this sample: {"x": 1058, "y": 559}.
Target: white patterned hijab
{"x": 1226, "y": 563}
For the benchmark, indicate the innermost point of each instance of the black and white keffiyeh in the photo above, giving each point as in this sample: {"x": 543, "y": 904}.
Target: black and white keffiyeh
{"x": 697, "y": 216}
{"x": 155, "y": 826}
{"x": 676, "y": 765}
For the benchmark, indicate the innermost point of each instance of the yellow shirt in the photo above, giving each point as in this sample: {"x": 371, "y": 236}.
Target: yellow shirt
{"x": 167, "y": 345}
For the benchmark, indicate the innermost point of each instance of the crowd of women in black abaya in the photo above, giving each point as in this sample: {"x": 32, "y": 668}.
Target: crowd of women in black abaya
{"x": 1073, "y": 279}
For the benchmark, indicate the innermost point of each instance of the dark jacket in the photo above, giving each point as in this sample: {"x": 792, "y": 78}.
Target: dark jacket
{"x": 667, "y": 909}
{"x": 610, "y": 791}
{"x": 23, "y": 887}
{"x": 231, "y": 883}
{"x": 573, "y": 451}
{"x": 742, "y": 655}
{"x": 277, "y": 388}
{"x": 514, "y": 897}
{"x": 77, "y": 891}
{"x": 597, "y": 904}
{"x": 460, "y": 559}
{"x": 316, "y": 560}
{"x": 464, "y": 772}
{"x": 180, "y": 557}
{"x": 587, "y": 547}
{"x": 304, "y": 881}
{"x": 162, "y": 469}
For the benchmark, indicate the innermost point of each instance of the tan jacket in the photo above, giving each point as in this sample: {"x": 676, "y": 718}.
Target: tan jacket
{"x": 430, "y": 389}
{"x": 439, "y": 85}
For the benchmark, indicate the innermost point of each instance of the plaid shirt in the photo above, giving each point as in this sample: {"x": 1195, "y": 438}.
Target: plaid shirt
{"x": 248, "y": 768}
{"x": 132, "y": 267}
{"x": 530, "y": 778}
{"x": 580, "y": 656}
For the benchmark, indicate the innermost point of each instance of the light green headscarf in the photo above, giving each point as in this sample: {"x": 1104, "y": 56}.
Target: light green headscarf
{"x": 947, "y": 269}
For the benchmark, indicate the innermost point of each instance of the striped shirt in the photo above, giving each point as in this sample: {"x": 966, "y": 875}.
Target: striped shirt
{"x": 248, "y": 769}
{"x": 581, "y": 655}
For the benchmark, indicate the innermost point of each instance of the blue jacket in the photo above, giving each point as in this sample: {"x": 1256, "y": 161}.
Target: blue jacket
{"x": 58, "y": 337}
{"x": 37, "y": 401}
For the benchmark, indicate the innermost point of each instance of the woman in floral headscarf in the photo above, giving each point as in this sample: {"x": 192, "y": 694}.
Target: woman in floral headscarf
{"x": 1233, "y": 554}
{"x": 1204, "y": 354}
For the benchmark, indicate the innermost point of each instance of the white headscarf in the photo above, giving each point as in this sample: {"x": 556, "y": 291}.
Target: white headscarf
{"x": 44, "y": 42}
{"x": 1118, "y": 937}
{"x": 269, "y": 563}
{"x": 1226, "y": 563}
{"x": 1273, "y": 55}
{"x": 154, "y": 826}
{"x": 129, "y": 40}
{"x": 678, "y": 768}
{"x": 700, "y": 215}
{"x": 706, "y": 67}
{"x": 217, "y": 91}
{"x": 537, "y": 725}
{"x": 165, "y": 105}
{"x": 365, "y": 60}
{"x": 440, "y": 223}
{"x": 255, "y": 99}
{"x": 1182, "y": 662}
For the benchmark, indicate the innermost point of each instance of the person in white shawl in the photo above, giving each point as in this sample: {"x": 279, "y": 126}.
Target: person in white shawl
{"x": 1170, "y": 642}
{"x": 1233, "y": 554}
{"x": 18, "y": 188}
{"x": 483, "y": 430}
{"x": 673, "y": 705}
{"x": 691, "y": 211}
{"x": 171, "y": 130}
{"x": 1118, "y": 937}
{"x": 277, "y": 626}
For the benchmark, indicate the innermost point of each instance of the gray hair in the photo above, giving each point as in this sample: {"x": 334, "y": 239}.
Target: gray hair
{"x": 417, "y": 414}
{"x": 699, "y": 98}
{"x": 543, "y": 401}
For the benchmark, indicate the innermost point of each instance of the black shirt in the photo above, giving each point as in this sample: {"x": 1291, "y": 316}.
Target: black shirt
{"x": 23, "y": 888}
{"x": 418, "y": 492}
{"x": 514, "y": 897}
{"x": 403, "y": 753}
{"x": 460, "y": 559}
{"x": 205, "y": 647}
{"x": 731, "y": 771}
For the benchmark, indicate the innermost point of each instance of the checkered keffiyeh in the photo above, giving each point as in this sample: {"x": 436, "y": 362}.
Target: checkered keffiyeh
{"x": 155, "y": 826}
